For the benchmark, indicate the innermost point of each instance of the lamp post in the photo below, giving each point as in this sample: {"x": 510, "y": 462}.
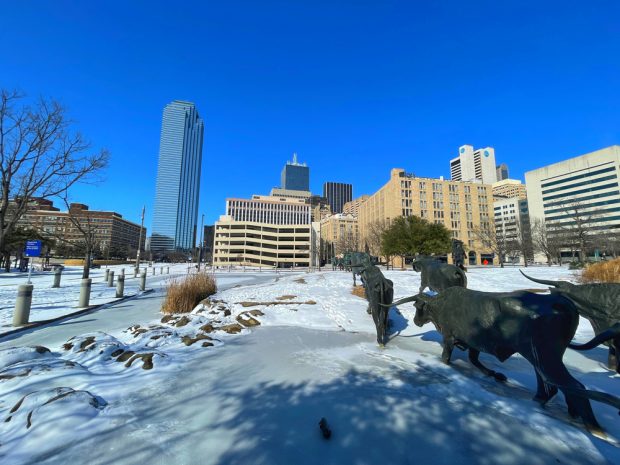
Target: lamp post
{"x": 140, "y": 240}
{"x": 202, "y": 230}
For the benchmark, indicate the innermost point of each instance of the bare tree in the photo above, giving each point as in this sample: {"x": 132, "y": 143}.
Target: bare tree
{"x": 575, "y": 227}
{"x": 522, "y": 239}
{"x": 494, "y": 240}
{"x": 40, "y": 157}
{"x": 374, "y": 236}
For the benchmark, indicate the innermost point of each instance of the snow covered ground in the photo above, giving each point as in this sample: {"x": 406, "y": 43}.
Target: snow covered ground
{"x": 246, "y": 378}
{"x": 49, "y": 302}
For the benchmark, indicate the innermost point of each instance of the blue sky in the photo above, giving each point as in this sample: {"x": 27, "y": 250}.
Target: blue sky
{"x": 354, "y": 87}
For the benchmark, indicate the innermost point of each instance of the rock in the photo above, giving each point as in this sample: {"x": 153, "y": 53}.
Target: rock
{"x": 247, "y": 321}
{"x": 227, "y": 312}
{"x": 208, "y": 328}
{"x": 231, "y": 329}
{"x": 147, "y": 360}
{"x": 167, "y": 318}
{"x": 126, "y": 355}
{"x": 207, "y": 344}
{"x": 188, "y": 341}
{"x": 182, "y": 322}
{"x": 89, "y": 341}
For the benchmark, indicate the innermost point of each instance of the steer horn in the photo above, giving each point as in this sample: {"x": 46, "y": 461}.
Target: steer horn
{"x": 546, "y": 282}
{"x": 413, "y": 298}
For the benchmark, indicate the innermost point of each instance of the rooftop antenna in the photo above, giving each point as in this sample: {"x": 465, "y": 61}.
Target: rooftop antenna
{"x": 294, "y": 158}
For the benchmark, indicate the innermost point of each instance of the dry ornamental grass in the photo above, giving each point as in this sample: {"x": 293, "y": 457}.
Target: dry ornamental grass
{"x": 184, "y": 294}
{"x": 602, "y": 272}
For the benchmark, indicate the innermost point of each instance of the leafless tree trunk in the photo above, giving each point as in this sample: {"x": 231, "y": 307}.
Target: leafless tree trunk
{"x": 374, "y": 236}
{"x": 576, "y": 227}
{"x": 523, "y": 239}
{"x": 495, "y": 241}
{"x": 40, "y": 157}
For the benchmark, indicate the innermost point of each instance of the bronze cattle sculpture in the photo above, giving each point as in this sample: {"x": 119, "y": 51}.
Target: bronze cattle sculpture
{"x": 438, "y": 276}
{"x": 598, "y": 303}
{"x": 539, "y": 327}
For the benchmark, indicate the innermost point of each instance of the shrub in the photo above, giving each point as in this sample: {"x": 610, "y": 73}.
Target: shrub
{"x": 575, "y": 265}
{"x": 184, "y": 294}
{"x": 602, "y": 272}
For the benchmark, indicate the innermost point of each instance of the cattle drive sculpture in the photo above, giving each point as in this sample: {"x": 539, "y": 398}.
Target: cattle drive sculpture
{"x": 599, "y": 304}
{"x": 437, "y": 275}
{"x": 379, "y": 293}
{"x": 537, "y": 326}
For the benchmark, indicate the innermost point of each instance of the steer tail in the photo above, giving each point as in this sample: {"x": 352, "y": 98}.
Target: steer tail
{"x": 605, "y": 336}
{"x": 546, "y": 282}
{"x": 598, "y": 396}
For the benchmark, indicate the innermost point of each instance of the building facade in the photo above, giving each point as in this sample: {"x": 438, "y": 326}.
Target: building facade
{"x": 337, "y": 194}
{"x": 295, "y": 176}
{"x": 472, "y": 165}
{"x": 508, "y": 189}
{"x": 462, "y": 207}
{"x": 512, "y": 229}
{"x": 502, "y": 172}
{"x": 339, "y": 234}
{"x": 264, "y": 231}
{"x": 581, "y": 193}
{"x": 113, "y": 235}
{"x": 177, "y": 190}
{"x": 353, "y": 207}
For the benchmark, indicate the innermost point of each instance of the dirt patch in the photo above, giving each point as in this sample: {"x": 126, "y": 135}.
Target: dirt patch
{"x": 147, "y": 360}
{"x": 358, "y": 291}
{"x": 90, "y": 340}
{"x": 286, "y": 297}
{"x": 232, "y": 329}
{"x": 125, "y": 356}
{"x": 188, "y": 341}
{"x": 182, "y": 322}
{"x": 267, "y": 304}
{"x": 300, "y": 281}
{"x": 248, "y": 321}
{"x": 208, "y": 328}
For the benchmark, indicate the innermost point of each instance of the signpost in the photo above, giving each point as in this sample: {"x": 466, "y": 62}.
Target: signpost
{"x": 33, "y": 249}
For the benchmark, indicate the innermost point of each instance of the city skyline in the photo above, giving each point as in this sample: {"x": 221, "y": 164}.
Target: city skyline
{"x": 352, "y": 104}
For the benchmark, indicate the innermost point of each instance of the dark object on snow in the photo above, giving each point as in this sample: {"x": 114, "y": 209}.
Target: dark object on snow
{"x": 537, "y": 326}
{"x": 458, "y": 254}
{"x": 327, "y": 433}
{"x": 359, "y": 260}
{"x": 599, "y": 304}
{"x": 379, "y": 292}
{"x": 437, "y": 275}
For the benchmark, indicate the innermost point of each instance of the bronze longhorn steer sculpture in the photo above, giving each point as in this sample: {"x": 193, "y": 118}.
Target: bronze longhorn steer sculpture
{"x": 379, "y": 293}
{"x": 537, "y": 326}
{"x": 598, "y": 303}
{"x": 437, "y": 275}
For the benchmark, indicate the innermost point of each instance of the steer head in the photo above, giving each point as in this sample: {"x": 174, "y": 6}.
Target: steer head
{"x": 421, "y": 303}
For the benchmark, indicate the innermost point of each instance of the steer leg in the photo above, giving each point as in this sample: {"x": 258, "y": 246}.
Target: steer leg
{"x": 613, "y": 362}
{"x": 544, "y": 391}
{"x": 448, "y": 347}
{"x": 375, "y": 310}
{"x": 473, "y": 358}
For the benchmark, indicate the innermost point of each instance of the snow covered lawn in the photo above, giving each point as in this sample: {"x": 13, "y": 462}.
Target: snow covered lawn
{"x": 246, "y": 377}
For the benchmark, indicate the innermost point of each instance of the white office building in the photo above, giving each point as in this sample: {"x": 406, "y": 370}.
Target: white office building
{"x": 474, "y": 165}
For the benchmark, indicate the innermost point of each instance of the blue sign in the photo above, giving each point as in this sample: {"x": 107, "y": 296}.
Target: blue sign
{"x": 33, "y": 249}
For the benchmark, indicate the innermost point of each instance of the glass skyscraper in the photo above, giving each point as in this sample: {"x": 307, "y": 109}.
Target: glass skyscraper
{"x": 295, "y": 176}
{"x": 178, "y": 178}
{"x": 337, "y": 194}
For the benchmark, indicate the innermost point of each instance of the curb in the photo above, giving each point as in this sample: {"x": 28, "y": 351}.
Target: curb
{"x": 68, "y": 316}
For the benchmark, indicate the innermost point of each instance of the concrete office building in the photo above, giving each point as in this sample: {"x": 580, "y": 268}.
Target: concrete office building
{"x": 340, "y": 234}
{"x": 512, "y": 227}
{"x": 472, "y": 165}
{"x": 581, "y": 190}
{"x": 295, "y": 176}
{"x": 508, "y": 189}
{"x": 175, "y": 212}
{"x": 353, "y": 207}
{"x": 337, "y": 194}
{"x": 462, "y": 207}
{"x": 502, "y": 172}
{"x": 264, "y": 231}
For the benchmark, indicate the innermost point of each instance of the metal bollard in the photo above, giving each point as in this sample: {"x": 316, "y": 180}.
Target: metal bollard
{"x": 22, "y": 304}
{"x": 135, "y": 272}
{"x": 120, "y": 285}
{"x": 153, "y": 271}
{"x": 143, "y": 281}
{"x": 167, "y": 270}
{"x": 162, "y": 270}
{"x": 107, "y": 273}
{"x": 85, "y": 292}
{"x": 111, "y": 279}
{"x": 57, "y": 275}
{"x": 122, "y": 272}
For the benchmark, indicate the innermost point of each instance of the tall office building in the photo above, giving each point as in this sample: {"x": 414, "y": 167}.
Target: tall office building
{"x": 177, "y": 190}
{"x": 295, "y": 176}
{"x": 337, "y": 194}
{"x": 474, "y": 165}
{"x": 502, "y": 171}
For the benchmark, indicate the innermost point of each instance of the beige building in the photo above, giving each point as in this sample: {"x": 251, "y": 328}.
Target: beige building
{"x": 462, "y": 207}
{"x": 509, "y": 189}
{"x": 353, "y": 207}
{"x": 264, "y": 231}
{"x": 339, "y": 234}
